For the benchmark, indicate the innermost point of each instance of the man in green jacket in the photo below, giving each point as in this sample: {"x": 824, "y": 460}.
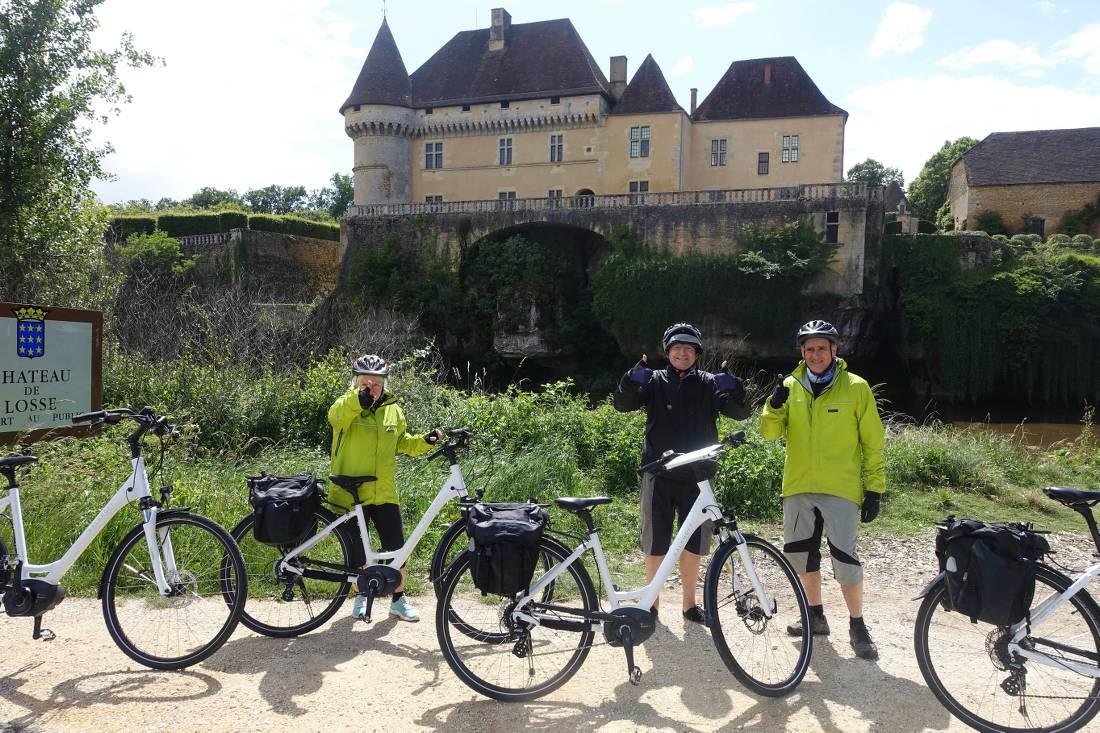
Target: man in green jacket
{"x": 833, "y": 477}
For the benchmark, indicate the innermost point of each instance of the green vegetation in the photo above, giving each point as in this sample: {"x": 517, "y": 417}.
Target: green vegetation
{"x": 185, "y": 223}
{"x": 990, "y": 222}
{"x": 155, "y": 253}
{"x": 928, "y": 191}
{"x": 874, "y": 173}
{"x": 1081, "y": 220}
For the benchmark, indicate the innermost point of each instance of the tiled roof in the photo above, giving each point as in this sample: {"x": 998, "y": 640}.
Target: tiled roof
{"x": 647, "y": 92}
{"x": 775, "y": 87}
{"x": 383, "y": 78}
{"x": 1035, "y": 156}
{"x": 542, "y": 59}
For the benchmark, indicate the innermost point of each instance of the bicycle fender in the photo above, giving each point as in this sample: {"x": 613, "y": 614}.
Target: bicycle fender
{"x": 160, "y": 513}
{"x": 931, "y": 584}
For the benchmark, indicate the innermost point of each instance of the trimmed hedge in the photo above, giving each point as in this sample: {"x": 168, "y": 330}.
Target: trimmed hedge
{"x": 121, "y": 227}
{"x": 294, "y": 225}
{"x": 232, "y": 220}
{"x": 182, "y": 225}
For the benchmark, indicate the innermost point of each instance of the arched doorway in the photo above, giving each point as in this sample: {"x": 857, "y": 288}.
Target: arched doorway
{"x": 585, "y": 198}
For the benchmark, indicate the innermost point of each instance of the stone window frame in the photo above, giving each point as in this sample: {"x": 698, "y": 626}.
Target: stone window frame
{"x": 433, "y": 155}
{"x": 763, "y": 162}
{"x": 790, "y": 148}
{"x": 557, "y": 147}
{"x": 506, "y": 199}
{"x": 504, "y": 151}
{"x": 638, "y": 190}
{"x": 832, "y": 227}
{"x": 718, "y": 147}
{"x": 639, "y": 141}
{"x": 554, "y": 196}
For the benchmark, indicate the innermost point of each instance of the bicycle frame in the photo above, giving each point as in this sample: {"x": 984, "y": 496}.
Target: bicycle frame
{"x": 705, "y": 508}
{"x": 455, "y": 486}
{"x": 1042, "y": 612}
{"x": 135, "y": 488}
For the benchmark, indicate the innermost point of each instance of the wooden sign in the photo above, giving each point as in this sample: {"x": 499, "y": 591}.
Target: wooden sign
{"x": 50, "y": 370}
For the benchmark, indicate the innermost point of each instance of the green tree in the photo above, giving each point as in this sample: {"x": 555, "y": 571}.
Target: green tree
{"x": 209, "y": 197}
{"x": 275, "y": 199}
{"x": 54, "y": 86}
{"x": 874, "y": 173}
{"x": 928, "y": 191}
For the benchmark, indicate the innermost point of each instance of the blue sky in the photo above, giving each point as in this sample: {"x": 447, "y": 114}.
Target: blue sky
{"x": 250, "y": 90}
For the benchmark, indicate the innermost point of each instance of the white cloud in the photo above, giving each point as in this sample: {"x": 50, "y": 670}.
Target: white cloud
{"x": 715, "y": 16}
{"x": 685, "y": 65}
{"x": 1004, "y": 53}
{"x": 901, "y": 29}
{"x": 239, "y": 101}
{"x": 893, "y": 123}
{"x": 1083, "y": 45}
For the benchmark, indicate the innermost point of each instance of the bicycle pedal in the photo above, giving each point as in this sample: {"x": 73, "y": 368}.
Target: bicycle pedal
{"x": 41, "y": 634}
{"x": 635, "y": 676}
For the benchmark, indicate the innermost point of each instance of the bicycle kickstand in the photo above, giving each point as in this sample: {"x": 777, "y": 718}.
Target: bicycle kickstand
{"x": 633, "y": 672}
{"x": 41, "y": 633}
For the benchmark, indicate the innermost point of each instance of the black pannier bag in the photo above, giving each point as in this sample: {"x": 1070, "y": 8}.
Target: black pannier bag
{"x": 990, "y": 569}
{"x": 283, "y": 507}
{"x": 506, "y": 545}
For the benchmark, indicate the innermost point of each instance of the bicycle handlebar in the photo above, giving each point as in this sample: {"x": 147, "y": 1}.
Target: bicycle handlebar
{"x": 733, "y": 440}
{"x": 461, "y": 440}
{"x": 145, "y": 417}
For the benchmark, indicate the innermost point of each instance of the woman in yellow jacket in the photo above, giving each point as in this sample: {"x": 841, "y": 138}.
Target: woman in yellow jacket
{"x": 368, "y": 431}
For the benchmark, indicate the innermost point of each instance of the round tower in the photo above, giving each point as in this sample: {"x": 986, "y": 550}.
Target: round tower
{"x": 379, "y": 117}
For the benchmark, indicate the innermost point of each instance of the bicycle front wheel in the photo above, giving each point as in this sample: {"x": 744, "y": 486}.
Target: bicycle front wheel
{"x": 207, "y": 590}
{"x": 967, "y": 666}
{"x": 749, "y": 628}
{"x": 506, "y": 658}
{"x": 283, "y": 603}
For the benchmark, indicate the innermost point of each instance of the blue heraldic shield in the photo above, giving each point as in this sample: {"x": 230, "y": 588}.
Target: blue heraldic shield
{"x": 31, "y": 332}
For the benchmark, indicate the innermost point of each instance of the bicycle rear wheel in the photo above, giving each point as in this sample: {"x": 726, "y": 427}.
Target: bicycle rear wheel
{"x": 282, "y": 604}
{"x": 507, "y": 659}
{"x": 207, "y": 592}
{"x": 967, "y": 666}
{"x": 755, "y": 647}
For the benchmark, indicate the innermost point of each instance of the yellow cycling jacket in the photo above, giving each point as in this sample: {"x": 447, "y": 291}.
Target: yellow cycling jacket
{"x": 366, "y": 443}
{"x": 830, "y": 437}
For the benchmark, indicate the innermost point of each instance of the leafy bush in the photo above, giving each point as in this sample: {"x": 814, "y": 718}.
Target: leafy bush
{"x": 155, "y": 253}
{"x": 294, "y": 225}
{"x": 991, "y": 222}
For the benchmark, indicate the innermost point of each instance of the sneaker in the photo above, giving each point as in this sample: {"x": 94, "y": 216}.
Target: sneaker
{"x": 403, "y": 610}
{"x": 860, "y": 639}
{"x": 696, "y": 615}
{"x": 819, "y": 626}
{"x": 358, "y": 608}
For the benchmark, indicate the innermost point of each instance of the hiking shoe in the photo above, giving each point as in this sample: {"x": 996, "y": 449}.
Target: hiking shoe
{"x": 819, "y": 626}
{"x": 696, "y": 616}
{"x": 358, "y": 608}
{"x": 860, "y": 638}
{"x": 403, "y": 610}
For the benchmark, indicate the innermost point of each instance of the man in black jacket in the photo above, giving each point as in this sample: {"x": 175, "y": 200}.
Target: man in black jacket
{"x": 682, "y": 405}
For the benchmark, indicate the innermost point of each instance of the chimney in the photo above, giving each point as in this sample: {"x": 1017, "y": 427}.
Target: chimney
{"x": 694, "y": 98}
{"x": 767, "y": 73}
{"x": 618, "y": 76}
{"x": 501, "y": 22}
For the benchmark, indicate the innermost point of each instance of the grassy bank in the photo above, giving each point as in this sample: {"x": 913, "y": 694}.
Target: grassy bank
{"x": 529, "y": 444}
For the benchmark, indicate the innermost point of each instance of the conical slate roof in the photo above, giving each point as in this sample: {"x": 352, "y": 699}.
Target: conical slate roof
{"x": 383, "y": 79}
{"x": 647, "y": 92}
{"x": 774, "y": 87}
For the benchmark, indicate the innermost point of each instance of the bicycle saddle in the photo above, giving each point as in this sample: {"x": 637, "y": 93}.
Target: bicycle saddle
{"x": 575, "y": 504}
{"x": 1070, "y": 497}
{"x": 16, "y": 460}
{"x": 351, "y": 482}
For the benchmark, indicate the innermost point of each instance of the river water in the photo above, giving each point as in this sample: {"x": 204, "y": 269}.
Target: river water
{"x": 1038, "y": 434}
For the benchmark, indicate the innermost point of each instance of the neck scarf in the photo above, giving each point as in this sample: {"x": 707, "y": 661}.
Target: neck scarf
{"x": 823, "y": 379}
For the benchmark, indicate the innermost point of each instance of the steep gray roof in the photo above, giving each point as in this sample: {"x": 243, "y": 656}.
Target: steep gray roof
{"x": 542, "y": 59}
{"x": 1035, "y": 156}
{"x": 647, "y": 92}
{"x": 773, "y": 87}
{"x": 383, "y": 78}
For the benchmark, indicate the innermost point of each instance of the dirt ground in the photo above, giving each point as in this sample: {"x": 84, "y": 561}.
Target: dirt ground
{"x": 390, "y": 676}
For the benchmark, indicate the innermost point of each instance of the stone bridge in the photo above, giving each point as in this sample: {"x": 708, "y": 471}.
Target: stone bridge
{"x": 682, "y": 222}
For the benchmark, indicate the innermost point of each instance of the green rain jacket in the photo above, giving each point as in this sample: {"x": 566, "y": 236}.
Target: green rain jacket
{"x": 829, "y": 438}
{"x": 366, "y": 443}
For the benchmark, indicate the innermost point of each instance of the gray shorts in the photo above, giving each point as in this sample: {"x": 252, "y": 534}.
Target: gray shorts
{"x": 662, "y": 501}
{"x": 805, "y": 518}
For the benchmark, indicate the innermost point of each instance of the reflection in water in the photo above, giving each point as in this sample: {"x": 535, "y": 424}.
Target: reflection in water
{"x": 1038, "y": 434}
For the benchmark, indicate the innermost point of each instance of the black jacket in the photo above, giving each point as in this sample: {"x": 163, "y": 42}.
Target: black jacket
{"x": 681, "y": 412}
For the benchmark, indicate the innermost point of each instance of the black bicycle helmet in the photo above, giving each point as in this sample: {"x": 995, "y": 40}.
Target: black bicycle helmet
{"x": 682, "y": 333}
{"x": 817, "y": 329}
{"x": 370, "y": 364}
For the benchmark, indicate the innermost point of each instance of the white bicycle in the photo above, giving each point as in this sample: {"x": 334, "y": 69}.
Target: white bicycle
{"x": 297, "y": 588}
{"x": 522, "y": 647}
{"x": 174, "y": 587}
{"x": 1042, "y": 674}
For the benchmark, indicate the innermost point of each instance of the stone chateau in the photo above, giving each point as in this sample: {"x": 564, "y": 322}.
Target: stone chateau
{"x": 522, "y": 110}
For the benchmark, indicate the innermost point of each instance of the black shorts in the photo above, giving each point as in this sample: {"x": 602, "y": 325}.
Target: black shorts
{"x": 662, "y": 500}
{"x": 388, "y": 531}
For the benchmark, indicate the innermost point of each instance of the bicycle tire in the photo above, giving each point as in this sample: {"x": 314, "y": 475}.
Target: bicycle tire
{"x": 972, "y": 650}
{"x": 496, "y": 649}
{"x": 737, "y": 618}
{"x": 451, "y": 545}
{"x": 204, "y": 608}
{"x": 269, "y": 611}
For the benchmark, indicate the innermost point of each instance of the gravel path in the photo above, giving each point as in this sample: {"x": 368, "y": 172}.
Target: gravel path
{"x": 390, "y": 676}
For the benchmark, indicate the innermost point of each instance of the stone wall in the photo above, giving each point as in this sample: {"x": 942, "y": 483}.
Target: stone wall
{"x": 281, "y": 268}
{"x": 1047, "y": 200}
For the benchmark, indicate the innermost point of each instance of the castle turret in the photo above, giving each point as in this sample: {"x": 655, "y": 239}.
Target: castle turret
{"x": 379, "y": 117}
